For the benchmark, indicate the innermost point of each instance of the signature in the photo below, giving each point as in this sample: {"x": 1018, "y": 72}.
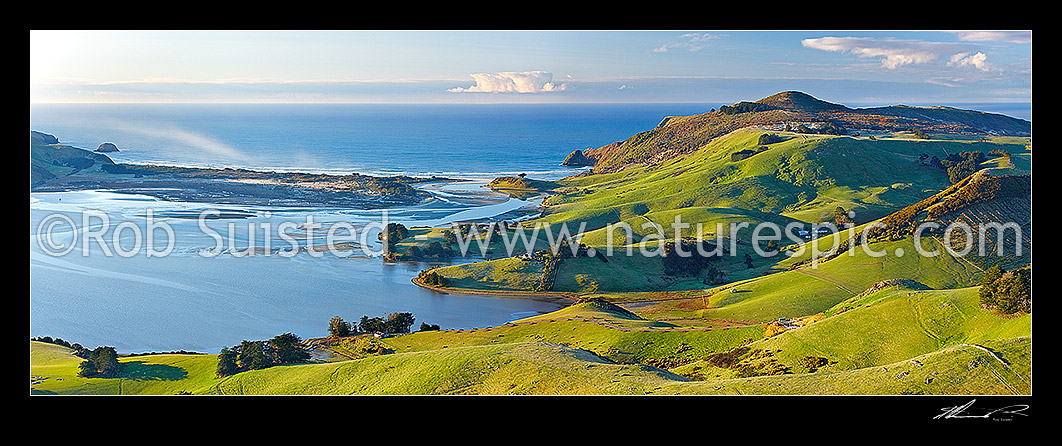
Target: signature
{"x": 963, "y": 412}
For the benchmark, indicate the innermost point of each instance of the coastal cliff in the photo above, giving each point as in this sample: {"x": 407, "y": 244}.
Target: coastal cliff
{"x": 577, "y": 159}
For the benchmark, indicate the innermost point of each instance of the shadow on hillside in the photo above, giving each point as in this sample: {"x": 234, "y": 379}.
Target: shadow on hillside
{"x": 140, "y": 371}
{"x": 997, "y": 354}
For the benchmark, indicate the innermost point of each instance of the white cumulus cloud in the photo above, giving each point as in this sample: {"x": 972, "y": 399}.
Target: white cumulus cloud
{"x": 895, "y": 53}
{"x": 996, "y": 36}
{"x": 511, "y": 82}
{"x": 976, "y": 60}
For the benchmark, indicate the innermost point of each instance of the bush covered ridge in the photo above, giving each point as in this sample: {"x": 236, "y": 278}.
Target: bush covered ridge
{"x": 976, "y": 188}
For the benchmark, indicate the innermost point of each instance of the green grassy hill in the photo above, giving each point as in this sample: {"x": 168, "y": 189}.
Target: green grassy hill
{"x": 676, "y": 136}
{"x": 803, "y": 177}
{"x": 140, "y": 375}
{"x": 560, "y": 353}
{"x": 956, "y": 370}
{"x": 796, "y": 179}
{"x": 892, "y": 331}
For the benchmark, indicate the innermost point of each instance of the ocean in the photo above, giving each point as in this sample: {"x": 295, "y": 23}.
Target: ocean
{"x": 474, "y": 140}
{"x": 459, "y": 140}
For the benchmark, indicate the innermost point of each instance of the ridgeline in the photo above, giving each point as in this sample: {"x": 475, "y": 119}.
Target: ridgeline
{"x": 675, "y": 136}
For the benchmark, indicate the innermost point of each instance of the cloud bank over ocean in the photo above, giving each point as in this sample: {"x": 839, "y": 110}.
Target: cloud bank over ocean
{"x": 511, "y": 82}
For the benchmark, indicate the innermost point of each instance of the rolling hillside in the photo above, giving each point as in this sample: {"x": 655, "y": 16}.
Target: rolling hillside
{"x": 592, "y": 349}
{"x": 676, "y": 136}
{"x": 896, "y": 340}
{"x": 794, "y": 179}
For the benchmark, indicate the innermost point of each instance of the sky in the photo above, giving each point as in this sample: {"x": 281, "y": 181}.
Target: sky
{"x": 875, "y": 67}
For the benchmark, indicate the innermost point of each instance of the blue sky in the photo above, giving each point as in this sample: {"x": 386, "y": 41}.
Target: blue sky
{"x": 400, "y": 66}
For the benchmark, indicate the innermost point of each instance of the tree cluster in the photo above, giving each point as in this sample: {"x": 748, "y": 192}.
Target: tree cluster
{"x": 550, "y": 265}
{"x": 392, "y": 234}
{"x": 102, "y": 362}
{"x": 256, "y": 355}
{"x": 769, "y": 138}
{"x": 832, "y": 128}
{"x": 435, "y": 250}
{"x": 1007, "y": 291}
{"x": 827, "y": 128}
{"x": 339, "y": 328}
{"x": 959, "y": 165}
{"x": 958, "y": 197}
{"x": 919, "y": 133}
{"x": 431, "y": 278}
{"x": 743, "y": 107}
{"x": 676, "y": 264}
{"x": 770, "y": 247}
{"x": 746, "y": 153}
{"x": 79, "y": 351}
{"x": 841, "y": 218}
{"x": 449, "y": 235}
{"x": 813, "y": 363}
{"x": 392, "y": 323}
{"x": 726, "y": 359}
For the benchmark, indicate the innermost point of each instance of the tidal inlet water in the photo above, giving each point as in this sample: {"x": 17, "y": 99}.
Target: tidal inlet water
{"x": 189, "y": 296}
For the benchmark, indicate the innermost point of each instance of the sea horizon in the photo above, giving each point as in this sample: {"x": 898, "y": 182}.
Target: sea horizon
{"x": 479, "y": 141}
{"x": 299, "y": 137}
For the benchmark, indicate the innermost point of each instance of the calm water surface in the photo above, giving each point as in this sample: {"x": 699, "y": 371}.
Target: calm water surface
{"x": 186, "y": 300}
